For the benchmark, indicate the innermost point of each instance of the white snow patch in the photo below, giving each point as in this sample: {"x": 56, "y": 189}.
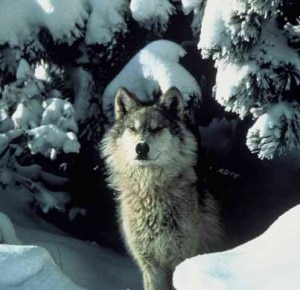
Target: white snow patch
{"x": 106, "y": 19}
{"x": 152, "y": 14}
{"x": 269, "y": 262}
{"x": 61, "y": 17}
{"x": 265, "y": 135}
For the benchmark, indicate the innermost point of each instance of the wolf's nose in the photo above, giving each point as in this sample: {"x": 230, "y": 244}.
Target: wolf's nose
{"x": 142, "y": 149}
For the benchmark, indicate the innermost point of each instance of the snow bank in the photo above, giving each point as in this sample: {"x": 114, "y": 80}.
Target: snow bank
{"x": 153, "y": 68}
{"x": 269, "y": 262}
{"x": 31, "y": 267}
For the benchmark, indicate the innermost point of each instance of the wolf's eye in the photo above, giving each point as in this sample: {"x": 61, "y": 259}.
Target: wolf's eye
{"x": 157, "y": 129}
{"x": 132, "y": 129}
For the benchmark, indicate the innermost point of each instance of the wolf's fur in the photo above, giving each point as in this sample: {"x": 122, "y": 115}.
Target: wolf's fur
{"x": 161, "y": 217}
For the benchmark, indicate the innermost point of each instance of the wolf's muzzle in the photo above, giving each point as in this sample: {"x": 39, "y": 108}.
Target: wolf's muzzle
{"x": 142, "y": 149}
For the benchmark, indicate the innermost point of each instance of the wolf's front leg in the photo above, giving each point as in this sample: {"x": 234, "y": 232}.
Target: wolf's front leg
{"x": 157, "y": 279}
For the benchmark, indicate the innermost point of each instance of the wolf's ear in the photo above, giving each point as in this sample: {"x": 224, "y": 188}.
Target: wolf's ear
{"x": 172, "y": 100}
{"x": 124, "y": 102}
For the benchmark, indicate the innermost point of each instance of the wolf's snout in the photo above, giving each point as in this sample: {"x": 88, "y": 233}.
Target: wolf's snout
{"x": 142, "y": 149}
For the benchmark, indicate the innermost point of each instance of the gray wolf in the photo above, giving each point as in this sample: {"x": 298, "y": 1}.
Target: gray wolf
{"x": 150, "y": 156}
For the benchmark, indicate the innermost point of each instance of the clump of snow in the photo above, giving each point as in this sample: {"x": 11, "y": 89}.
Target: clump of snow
{"x": 106, "y": 19}
{"x": 153, "y": 68}
{"x": 197, "y": 7}
{"x": 233, "y": 86}
{"x": 269, "y": 262}
{"x": 275, "y": 131}
{"x": 190, "y": 5}
{"x": 152, "y": 14}
{"x": 47, "y": 137}
{"x": 47, "y": 200}
{"x": 31, "y": 267}
{"x": 59, "y": 112}
{"x": 62, "y": 18}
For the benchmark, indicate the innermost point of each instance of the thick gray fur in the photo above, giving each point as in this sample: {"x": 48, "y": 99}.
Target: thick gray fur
{"x": 161, "y": 218}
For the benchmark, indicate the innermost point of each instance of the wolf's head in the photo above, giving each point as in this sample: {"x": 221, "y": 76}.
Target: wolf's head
{"x": 149, "y": 134}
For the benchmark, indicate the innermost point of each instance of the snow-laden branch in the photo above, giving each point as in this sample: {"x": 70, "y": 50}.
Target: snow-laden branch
{"x": 275, "y": 131}
{"x": 106, "y": 19}
{"x": 232, "y": 27}
{"x": 152, "y": 69}
{"x": 152, "y": 14}
{"x": 65, "y": 20}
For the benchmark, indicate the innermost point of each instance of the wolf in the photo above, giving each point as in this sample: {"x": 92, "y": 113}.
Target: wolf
{"x": 150, "y": 156}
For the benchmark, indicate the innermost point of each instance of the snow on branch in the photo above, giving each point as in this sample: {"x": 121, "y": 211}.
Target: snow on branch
{"x": 64, "y": 20}
{"x": 154, "y": 68}
{"x": 197, "y": 7}
{"x": 230, "y": 28}
{"x": 48, "y": 122}
{"x": 152, "y": 14}
{"x": 106, "y": 19}
{"x": 275, "y": 131}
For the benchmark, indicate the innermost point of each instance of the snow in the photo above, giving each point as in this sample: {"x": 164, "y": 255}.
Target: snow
{"x": 106, "y": 19}
{"x": 231, "y": 79}
{"x": 265, "y": 135}
{"x": 60, "y": 17}
{"x": 153, "y": 68}
{"x": 213, "y": 29}
{"x": 269, "y": 262}
{"x": 31, "y": 265}
{"x": 61, "y": 113}
{"x": 152, "y": 14}
{"x": 190, "y": 5}
{"x": 64, "y": 19}
{"x": 47, "y": 137}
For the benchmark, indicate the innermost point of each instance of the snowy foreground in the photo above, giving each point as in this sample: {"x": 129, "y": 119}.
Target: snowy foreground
{"x": 74, "y": 264}
{"x": 269, "y": 262}
{"x": 49, "y": 259}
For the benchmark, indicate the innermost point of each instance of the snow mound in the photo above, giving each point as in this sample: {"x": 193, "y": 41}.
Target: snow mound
{"x": 153, "y": 68}
{"x": 31, "y": 267}
{"x": 269, "y": 262}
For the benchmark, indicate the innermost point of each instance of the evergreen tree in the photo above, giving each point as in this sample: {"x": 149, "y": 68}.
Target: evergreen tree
{"x": 62, "y": 61}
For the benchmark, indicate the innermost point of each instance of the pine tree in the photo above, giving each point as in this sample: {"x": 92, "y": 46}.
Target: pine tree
{"x": 256, "y": 52}
{"x": 62, "y": 61}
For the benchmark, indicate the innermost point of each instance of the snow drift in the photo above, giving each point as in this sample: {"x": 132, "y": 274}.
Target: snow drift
{"x": 269, "y": 262}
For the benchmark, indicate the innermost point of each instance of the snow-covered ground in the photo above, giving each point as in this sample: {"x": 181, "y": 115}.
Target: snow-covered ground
{"x": 269, "y": 262}
{"x": 29, "y": 267}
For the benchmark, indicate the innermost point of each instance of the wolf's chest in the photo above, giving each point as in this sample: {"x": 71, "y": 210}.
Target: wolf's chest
{"x": 150, "y": 213}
